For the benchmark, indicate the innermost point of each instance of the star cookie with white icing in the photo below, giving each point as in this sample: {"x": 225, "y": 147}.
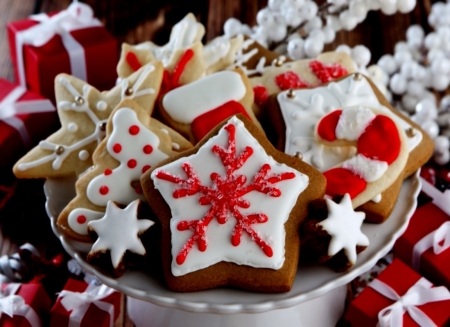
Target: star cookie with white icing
{"x": 83, "y": 112}
{"x": 333, "y": 234}
{"x": 133, "y": 144}
{"x": 118, "y": 233}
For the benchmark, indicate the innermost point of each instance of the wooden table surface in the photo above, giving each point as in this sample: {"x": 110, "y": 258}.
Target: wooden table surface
{"x": 140, "y": 20}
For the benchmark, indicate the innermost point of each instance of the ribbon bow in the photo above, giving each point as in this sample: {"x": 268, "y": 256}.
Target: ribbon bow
{"x": 438, "y": 239}
{"x": 420, "y": 293}
{"x": 79, "y": 303}
{"x": 9, "y": 108}
{"x": 12, "y": 304}
{"x": 76, "y": 16}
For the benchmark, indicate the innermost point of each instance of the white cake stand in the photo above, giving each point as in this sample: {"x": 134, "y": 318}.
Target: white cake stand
{"x": 316, "y": 299}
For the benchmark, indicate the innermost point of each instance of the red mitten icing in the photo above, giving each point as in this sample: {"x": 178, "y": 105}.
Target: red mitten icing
{"x": 206, "y": 122}
{"x": 341, "y": 181}
{"x": 327, "y": 126}
{"x": 225, "y": 197}
{"x": 171, "y": 81}
{"x": 290, "y": 80}
{"x": 327, "y": 73}
{"x": 133, "y": 61}
{"x": 380, "y": 141}
{"x": 261, "y": 95}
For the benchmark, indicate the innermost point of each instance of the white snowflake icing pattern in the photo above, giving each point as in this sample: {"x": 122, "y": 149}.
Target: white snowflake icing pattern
{"x": 118, "y": 231}
{"x": 344, "y": 226}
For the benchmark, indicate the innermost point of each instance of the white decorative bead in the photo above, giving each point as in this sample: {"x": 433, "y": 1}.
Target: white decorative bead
{"x": 415, "y": 88}
{"x": 275, "y": 5}
{"x": 334, "y": 22}
{"x": 443, "y": 119}
{"x": 313, "y": 47}
{"x": 329, "y": 34}
{"x": 389, "y": 9}
{"x": 376, "y": 73}
{"x": 398, "y": 84}
{"x": 232, "y": 27}
{"x": 314, "y": 23}
{"x": 359, "y": 10}
{"x": 425, "y": 110}
{"x": 388, "y": 64}
{"x": 407, "y": 68}
{"x": 361, "y": 55}
{"x": 405, "y": 6}
{"x": 442, "y": 158}
{"x": 409, "y": 102}
{"x": 344, "y": 48}
{"x": 72, "y": 127}
{"x": 309, "y": 10}
{"x": 441, "y": 144}
{"x": 292, "y": 17}
{"x": 83, "y": 155}
{"x": 445, "y": 104}
{"x": 401, "y": 46}
{"x": 432, "y": 41}
{"x": 431, "y": 128}
{"x": 277, "y": 32}
{"x": 102, "y": 105}
{"x": 295, "y": 48}
{"x": 440, "y": 66}
{"x": 294, "y": 4}
{"x": 347, "y": 20}
{"x": 440, "y": 82}
{"x": 402, "y": 56}
{"x": 265, "y": 18}
{"x": 415, "y": 36}
{"x": 435, "y": 53}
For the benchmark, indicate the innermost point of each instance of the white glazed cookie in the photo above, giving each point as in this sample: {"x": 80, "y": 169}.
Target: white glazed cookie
{"x": 83, "y": 113}
{"x": 117, "y": 233}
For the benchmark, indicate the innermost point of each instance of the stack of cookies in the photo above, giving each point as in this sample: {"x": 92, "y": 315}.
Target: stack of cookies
{"x": 216, "y": 164}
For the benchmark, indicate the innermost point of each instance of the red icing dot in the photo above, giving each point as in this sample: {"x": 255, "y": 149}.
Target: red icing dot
{"x": 261, "y": 95}
{"x": 380, "y": 140}
{"x": 289, "y": 80}
{"x": 145, "y": 168}
{"x": 327, "y": 126}
{"x": 134, "y": 130}
{"x": 108, "y": 171}
{"x": 117, "y": 148}
{"x": 104, "y": 190}
{"x": 131, "y": 163}
{"x": 81, "y": 219}
{"x": 341, "y": 181}
{"x": 148, "y": 149}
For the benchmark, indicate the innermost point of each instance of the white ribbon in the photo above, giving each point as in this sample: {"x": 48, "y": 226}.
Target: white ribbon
{"x": 432, "y": 240}
{"x": 76, "y": 16}
{"x": 9, "y": 108}
{"x": 12, "y": 304}
{"x": 420, "y": 293}
{"x": 80, "y": 302}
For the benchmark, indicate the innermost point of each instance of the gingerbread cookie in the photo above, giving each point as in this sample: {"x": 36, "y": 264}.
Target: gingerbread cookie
{"x": 134, "y": 143}
{"x": 118, "y": 234}
{"x": 332, "y": 234}
{"x": 230, "y": 210}
{"x": 83, "y": 112}
{"x": 184, "y": 57}
{"x": 196, "y": 108}
{"x": 295, "y": 113}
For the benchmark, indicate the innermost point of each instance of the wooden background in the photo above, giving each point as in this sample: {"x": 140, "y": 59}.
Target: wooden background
{"x": 135, "y": 21}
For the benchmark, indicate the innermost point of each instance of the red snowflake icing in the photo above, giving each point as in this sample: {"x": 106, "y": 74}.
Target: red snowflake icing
{"x": 290, "y": 80}
{"x": 225, "y": 196}
{"x": 326, "y": 73}
{"x": 172, "y": 81}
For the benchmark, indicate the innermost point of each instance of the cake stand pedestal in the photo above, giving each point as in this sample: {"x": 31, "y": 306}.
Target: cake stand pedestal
{"x": 323, "y": 311}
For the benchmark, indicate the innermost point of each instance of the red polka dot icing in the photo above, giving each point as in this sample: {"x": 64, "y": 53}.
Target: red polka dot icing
{"x": 81, "y": 219}
{"x": 117, "y": 148}
{"x": 145, "y": 168}
{"x": 134, "y": 130}
{"x": 104, "y": 190}
{"x": 131, "y": 163}
{"x": 148, "y": 149}
{"x": 108, "y": 171}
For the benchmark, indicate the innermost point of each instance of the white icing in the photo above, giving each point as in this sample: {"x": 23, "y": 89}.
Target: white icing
{"x": 377, "y": 198}
{"x": 175, "y": 146}
{"x": 80, "y": 227}
{"x": 118, "y": 231}
{"x": 72, "y": 127}
{"x": 83, "y": 155}
{"x": 164, "y": 130}
{"x": 368, "y": 169}
{"x": 102, "y": 105}
{"x": 344, "y": 226}
{"x": 219, "y": 247}
{"x": 242, "y": 58}
{"x": 215, "y": 50}
{"x": 189, "y": 101}
{"x": 85, "y": 108}
{"x": 310, "y": 105}
{"x": 119, "y": 180}
{"x": 352, "y": 123}
{"x": 184, "y": 34}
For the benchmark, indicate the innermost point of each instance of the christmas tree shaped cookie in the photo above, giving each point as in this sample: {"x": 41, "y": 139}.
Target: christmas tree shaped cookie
{"x": 83, "y": 112}
{"x": 230, "y": 210}
{"x": 134, "y": 143}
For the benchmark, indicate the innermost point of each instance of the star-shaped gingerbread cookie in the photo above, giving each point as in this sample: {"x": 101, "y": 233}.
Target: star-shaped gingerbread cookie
{"x": 83, "y": 113}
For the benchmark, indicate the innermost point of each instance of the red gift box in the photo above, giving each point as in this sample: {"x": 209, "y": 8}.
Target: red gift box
{"x": 364, "y": 309}
{"x": 43, "y": 52}
{"x": 88, "y": 302}
{"x": 435, "y": 267}
{"x": 28, "y": 314}
{"x": 25, "y": 119}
